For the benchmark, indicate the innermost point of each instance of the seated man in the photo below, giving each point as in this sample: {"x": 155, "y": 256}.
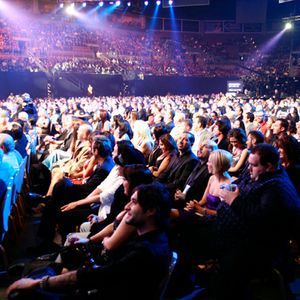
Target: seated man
{"x": 11, "y": 156}
{"x": 135, "y": 271}
{"x": 6, "y": 170}
{"x": 198, "y": 179}
{"x": 181, "y": 166}
{"x": 255, "y": 223}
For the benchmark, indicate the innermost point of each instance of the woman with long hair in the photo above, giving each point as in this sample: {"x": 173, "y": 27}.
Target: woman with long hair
{"x": 288, "y": 148}
{"x": 269, "y": 136}
{"x": 238, "y": 148}
{"x": 169, "y": 149}
{"x": 96, "y": 229}
{"x": 121, "y": 128}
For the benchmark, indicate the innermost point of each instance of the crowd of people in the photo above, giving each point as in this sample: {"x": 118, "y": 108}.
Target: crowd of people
{"x": 125, "y": 181}
{"x": 120, "y": 174}
{"x": 66, "y": 45}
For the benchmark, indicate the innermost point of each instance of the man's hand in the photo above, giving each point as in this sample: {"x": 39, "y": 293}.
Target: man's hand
{"x": 228, "y": 196}
{"x": 179, "y": 195}
{"x": 22, "y": 284}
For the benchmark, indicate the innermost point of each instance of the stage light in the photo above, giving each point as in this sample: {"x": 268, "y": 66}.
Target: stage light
{"x": 128, "y": 4}
{"x": 70, "y": 10}
{"x": 288, "y": 26}
{"x": 101, "y": 3}
{"x": 118, "y": 3}
{"x": 146, "y": 3}
{"x": 170, "y": 2}
{"x": 84, "y": 4}
{"x": 158, "y": 2}
{"x": 61, "y": 5}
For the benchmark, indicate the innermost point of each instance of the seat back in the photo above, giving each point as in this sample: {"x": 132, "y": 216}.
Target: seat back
{"x": 164, "y": 284}
{"x": 20, "y": 175}
{"x": 6, "y": 208}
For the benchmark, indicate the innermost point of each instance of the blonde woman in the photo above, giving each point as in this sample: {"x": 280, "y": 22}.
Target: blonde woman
{"x": 218, "y": 165}
{"x": 142, "y": 138}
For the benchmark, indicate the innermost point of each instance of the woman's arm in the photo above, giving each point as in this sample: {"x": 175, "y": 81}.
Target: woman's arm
{"x": 240, "y": 162}
{"x": 106, "y": 231}
{"x": 204, "y": 197}
{"x": 164, "y": 164}
{"x": 86, "y": 171}
{"x": 119, "y": 236}
{"x": 91, "y": 198}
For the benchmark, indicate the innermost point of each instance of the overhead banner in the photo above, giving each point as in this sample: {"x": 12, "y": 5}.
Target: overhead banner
{"x": 235, "y": 86}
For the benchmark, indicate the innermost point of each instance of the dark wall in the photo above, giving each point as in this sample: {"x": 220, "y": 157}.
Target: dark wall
{"x": 21, "y": 82}
{"x": 155, "y": 85}
{"x": 74, "y": 84}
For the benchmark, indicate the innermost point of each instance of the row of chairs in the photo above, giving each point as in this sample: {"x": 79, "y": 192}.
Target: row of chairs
{"x": 12, "y": 210}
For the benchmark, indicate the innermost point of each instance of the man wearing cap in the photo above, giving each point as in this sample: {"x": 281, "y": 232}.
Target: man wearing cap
{"x": 29, "y": 107}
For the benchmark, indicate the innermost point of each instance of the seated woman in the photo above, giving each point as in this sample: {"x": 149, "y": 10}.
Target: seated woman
{"x": 121, "y": 129}
{"x": 168, "y": 148}
{"x": 64, "y": 191}
{"x": 135, "y": 175}
{"x": 74, "y": 213}
{"x": 237, "y": 146}
{"x": 218, "y": 165}
{"x": 157, "y": 132}
{"x": 142, "y": 139}
{"x": 91, "y": 164}
{"x": 195, "y": 220}
{"x": 288, "y": 148}
{"x": 81, "y": 154}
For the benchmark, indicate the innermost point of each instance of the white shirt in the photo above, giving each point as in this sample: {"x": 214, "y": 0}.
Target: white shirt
{"x": 200, "y": 137}
{"x": 108, "y": 187}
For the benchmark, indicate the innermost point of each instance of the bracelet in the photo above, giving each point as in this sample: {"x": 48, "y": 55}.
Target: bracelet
{"x": 44, "y": 283}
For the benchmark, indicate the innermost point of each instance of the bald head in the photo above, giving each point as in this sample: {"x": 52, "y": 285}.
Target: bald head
{"x": 6, "y": 143}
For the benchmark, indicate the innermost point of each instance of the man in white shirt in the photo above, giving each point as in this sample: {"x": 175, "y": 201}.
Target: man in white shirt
{"x": 201, "y": 133}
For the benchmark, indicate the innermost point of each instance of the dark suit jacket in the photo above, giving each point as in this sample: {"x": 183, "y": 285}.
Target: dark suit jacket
{"x": 66, "y": 136}
{"x": 223, "y": 144}
{"x": 21, "y": 144}
{"x": 178, "y": 171}
{"x": 198, "y": 181}
{"x": 79, "y": 191}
